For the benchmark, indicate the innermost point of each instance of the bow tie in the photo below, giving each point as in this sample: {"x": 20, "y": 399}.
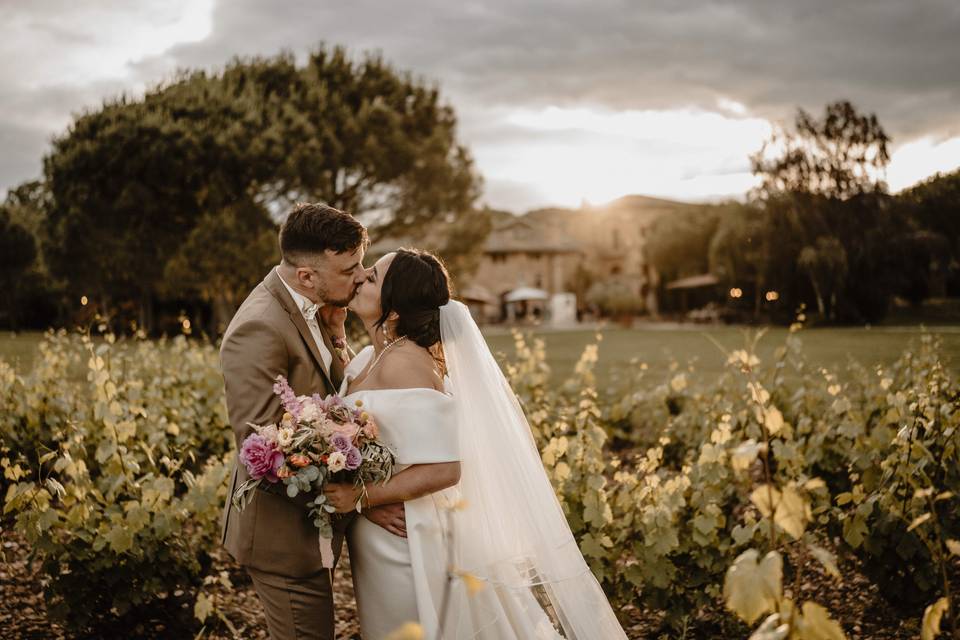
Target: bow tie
{"x": 310, "y": 311}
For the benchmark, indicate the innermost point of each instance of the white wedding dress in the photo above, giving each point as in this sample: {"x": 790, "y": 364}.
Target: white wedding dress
{"x": 399, "y": 580}
{"x": 509, "y": 535}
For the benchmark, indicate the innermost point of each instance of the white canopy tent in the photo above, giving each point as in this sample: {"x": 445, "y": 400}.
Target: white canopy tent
{"x": 522, "y": 294}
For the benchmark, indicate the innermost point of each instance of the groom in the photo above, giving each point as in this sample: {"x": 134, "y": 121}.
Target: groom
{"x": 288, "y": 326}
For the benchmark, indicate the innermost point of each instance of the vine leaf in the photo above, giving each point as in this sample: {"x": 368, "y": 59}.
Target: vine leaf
{"x": 753, "y": 588}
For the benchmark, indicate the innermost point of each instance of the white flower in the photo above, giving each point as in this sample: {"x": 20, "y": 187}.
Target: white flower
{"x": 337, "y": 461}
{"x": 284, "y": 437}
{"x": 309, "y": 412}
{"x": 269, "y": 432}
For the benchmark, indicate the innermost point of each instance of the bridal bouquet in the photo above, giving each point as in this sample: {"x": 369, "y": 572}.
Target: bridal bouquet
{"x": 317, "y": 440}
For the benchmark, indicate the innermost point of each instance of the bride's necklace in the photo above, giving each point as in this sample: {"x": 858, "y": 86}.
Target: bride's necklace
{"x": 386, "y": 348}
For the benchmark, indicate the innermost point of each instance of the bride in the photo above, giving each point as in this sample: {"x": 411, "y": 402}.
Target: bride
{"x": 488, "y": 553}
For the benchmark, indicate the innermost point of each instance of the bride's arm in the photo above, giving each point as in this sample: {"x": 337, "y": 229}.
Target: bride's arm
{"x": 413, "y": 482}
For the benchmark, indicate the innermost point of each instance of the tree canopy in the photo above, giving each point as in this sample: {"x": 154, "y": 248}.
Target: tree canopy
{"x": 143, "y": 190}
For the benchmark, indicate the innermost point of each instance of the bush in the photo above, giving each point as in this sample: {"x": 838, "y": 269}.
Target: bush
{"x": 115, "y": 474}
{"x": 685, "y": 498}
{"x": 780, "y": 457}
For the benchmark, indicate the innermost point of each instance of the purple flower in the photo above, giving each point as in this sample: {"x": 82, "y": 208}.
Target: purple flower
{"x": 261, "y": 458}
{"x": 287, "y": 397}
{"x": 354, "y": 459}
{"x": 341, "y": 442}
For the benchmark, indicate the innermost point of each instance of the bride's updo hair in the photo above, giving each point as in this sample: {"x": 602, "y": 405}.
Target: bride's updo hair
{"x": 415, "y": 286}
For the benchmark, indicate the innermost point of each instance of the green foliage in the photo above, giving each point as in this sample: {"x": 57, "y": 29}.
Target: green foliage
{"x": 678, "y": 244}
{"x": 684, "y": 498}
{"x": 114, "y": 472}
{"x": 141, "y": 187}
{"x": 18, "y": 251}
{"x": 782, "y": 457}
{"x": 838, "y": 157}
{"x": 616, "y": 296}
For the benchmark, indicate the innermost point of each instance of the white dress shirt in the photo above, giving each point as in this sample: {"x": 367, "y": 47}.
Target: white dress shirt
{"x": 309, "y": 310}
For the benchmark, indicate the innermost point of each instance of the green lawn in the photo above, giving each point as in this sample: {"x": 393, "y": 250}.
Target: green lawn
{"x": 657, "y": 347}
{"x": 19, "y": 349}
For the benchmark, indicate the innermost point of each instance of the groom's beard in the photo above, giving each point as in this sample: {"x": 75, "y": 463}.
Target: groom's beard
{"x": 341, "y": 302}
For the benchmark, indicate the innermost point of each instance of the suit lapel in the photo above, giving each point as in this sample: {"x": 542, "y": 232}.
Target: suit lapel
{"x": 275, "y": 286}
{"x": 336, "y": 365}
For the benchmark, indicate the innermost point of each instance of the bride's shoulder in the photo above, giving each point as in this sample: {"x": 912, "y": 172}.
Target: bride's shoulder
{"x": 410, "y": 368}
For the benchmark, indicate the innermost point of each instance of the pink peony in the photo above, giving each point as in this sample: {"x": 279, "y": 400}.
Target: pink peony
{"x": 261, "y": 458}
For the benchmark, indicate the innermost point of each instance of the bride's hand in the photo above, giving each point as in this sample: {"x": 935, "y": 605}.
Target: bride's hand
{"x": 343, "y": 497}
{"x": 391, "y": 517}
{"x": 334, "y": 319}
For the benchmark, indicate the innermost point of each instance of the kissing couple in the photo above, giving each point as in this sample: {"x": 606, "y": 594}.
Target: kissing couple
{"x": 467, "y": 538}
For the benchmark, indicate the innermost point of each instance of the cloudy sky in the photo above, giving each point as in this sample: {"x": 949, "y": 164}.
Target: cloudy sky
{"x": 559, "y": 101}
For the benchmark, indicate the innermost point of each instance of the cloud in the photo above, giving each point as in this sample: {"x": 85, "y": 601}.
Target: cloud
{"x": 741, "y": 59}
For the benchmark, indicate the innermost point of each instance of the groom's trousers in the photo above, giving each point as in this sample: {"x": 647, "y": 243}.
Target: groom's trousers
{"x": 296, "y": 608}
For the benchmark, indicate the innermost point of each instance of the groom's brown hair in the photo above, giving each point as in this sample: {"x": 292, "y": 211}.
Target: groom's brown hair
{"x": 313, "y": 227}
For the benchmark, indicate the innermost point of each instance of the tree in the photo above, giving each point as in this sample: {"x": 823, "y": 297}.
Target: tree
{"x": 678, "y": 244}
{"x": 840, "y": 156}
{"x": 933, "y": 207}
{"x": 141, "y": 183}
{"x": 368, "y": 139}
{"x": 17, "y": 253}
{"x": 825, "y": 263}
{"x": 220, "y": 258}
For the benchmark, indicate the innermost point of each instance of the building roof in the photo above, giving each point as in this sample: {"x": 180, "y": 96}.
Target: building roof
{"x": 524, "y": 236}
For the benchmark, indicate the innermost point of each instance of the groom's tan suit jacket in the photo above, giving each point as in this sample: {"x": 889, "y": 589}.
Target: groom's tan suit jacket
{"x": 268, "y": 337}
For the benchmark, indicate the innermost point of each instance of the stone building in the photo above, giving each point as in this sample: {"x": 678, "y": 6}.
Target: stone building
{"x": 556, "y": 250}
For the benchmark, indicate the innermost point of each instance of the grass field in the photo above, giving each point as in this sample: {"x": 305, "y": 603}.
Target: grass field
{"x": 659, "y": 346}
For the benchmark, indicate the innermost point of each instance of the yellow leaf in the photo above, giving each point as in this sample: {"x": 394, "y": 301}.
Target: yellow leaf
{"x": 792, "y": 513}
{"x": 765, "y": 497}
{"x": 844, "y": 498}
{"x": 826, "y": 559}
{"x": 954, "y": 547}
{"x": 773, "y": 419}
{"x": 743, "y": 456}
{"x": 407, "y": 631}
{"x": 813, "y": 484}
{"x": 817, "y": 625}
{"x": 753, "y": 588}
{"x": 919, "y": 520}
{"x": 771, "y": 629}
{"x": 931, "y": 619}
{"x": 203, "y": 607}
{"x": 126, "y": 429}
{"x": 679, "y": 383}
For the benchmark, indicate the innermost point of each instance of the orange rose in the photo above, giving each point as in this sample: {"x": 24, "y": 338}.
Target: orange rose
{"x": 299, "y": 460}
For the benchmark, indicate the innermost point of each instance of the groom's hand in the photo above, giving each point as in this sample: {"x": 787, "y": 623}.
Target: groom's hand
{"x": 342, "y": 497}
{"x": 391, "y": 517}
